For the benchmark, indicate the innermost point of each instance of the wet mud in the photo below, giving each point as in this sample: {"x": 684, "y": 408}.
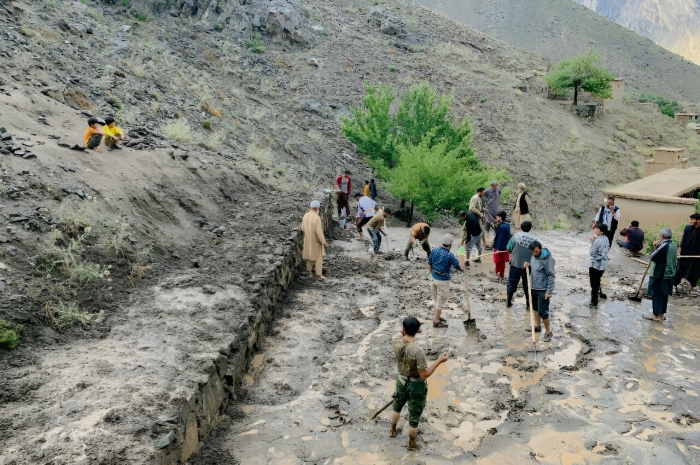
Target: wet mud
{"x": 611, "y": 387}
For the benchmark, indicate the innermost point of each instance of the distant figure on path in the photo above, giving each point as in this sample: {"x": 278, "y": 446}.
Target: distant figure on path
{"x": 344, "y": 184}
{"x": 419, "y": 232}
{"x": 113, "y": 134}
{"x": 492, "y": 197}
{"x": 635, "y": 238}
{"x": 609, "y": 215}
{"x": 366, "y": 191}
{"x": 411, "y": 386}
{"x": 689, "y": 268}
{"x": 93, "y": 135}
{"x": 519, "y": 247}
{"x": 598, "y": 261}
{"x": 661, "y": 273}
{"x": 440, "y": 264}
{"x": 372, "y": 189}
{"x": 522, "y": 209}
{"x": 542, "y": 281}
{"x": 314, "y": 241}
{"x": 364, "y": 212}
{"x": 500, "y": 244}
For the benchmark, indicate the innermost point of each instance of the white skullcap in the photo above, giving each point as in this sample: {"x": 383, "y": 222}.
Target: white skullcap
{"x": 448, "y": 239}
{"x": 315, "y": 204}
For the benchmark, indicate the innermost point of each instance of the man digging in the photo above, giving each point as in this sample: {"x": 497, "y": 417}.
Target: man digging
{"x": 411, "y": 386}
{"x": 542, "y": 277}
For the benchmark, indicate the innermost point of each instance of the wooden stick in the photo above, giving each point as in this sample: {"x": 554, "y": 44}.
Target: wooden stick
{"x": 640, "y": 261}
{"x": 682, "y": 256}
{"x": 486, "y": 255}
{"x": 376, "y": 413}
{"x": 532, "y": 311}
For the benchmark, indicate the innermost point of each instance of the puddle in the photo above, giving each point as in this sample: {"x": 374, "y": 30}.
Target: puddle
{"x": 650, "y": 364}
{"x": 257, "y": 361}
{"x": 563, "y": 357}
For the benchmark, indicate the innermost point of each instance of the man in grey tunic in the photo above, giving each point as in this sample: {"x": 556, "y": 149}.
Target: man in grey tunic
{"x": 493, "y": 205}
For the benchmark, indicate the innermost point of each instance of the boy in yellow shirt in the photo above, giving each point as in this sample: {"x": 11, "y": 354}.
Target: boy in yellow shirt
{"x": 112, "y": 134}
{"x": 365, "y": 191}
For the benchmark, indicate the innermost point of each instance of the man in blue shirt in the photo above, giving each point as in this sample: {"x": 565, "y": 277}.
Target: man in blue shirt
{"x": 441, "y": 262}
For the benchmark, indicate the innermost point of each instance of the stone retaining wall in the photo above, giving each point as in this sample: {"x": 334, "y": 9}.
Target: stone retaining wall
{"x": 202, "y": 409}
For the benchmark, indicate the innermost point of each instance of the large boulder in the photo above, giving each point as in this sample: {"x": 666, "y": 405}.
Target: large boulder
{"x": 389, "y": 23}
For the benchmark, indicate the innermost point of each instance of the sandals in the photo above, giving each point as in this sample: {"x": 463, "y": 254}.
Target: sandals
{"x": 440, "y": 324}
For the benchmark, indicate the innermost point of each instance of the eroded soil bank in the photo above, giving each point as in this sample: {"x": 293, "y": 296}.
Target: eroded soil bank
{"x": 610, "y": 388}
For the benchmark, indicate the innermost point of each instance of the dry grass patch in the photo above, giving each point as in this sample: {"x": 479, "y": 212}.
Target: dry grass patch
{"x": 209, "y": 108}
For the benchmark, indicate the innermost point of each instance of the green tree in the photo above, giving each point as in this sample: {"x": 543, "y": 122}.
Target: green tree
{"x": 438, "y": 179}
{"x": 666, "y": 107}
{"x": 580, "y": 73}
{"x": 378, "y": 134}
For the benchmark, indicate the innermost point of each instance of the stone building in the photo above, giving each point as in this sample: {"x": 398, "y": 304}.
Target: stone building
{"x": 686, "y": 118}
{"x": 665, "y": 158}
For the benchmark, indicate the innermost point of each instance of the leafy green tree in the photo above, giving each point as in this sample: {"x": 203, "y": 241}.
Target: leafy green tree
{"x": 580, "y": 73}
{"x": 666, "y": 107}
{"x": 438, "y": 179}
{"x": 371, "y": 128}
{"x": 379, "y": 135}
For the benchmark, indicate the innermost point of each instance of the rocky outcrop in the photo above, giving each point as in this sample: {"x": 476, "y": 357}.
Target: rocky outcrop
{"x": 279, "y": 19}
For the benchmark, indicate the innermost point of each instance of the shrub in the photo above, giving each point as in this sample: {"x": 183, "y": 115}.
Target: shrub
{"x": 255, "y": 44}
{"x": 126, "y": 3}
{"x": 209, "y": 108}
{"x": 215, "y": 26}
{"x": 652, "y": 233}
{"x": 206, "y": 125}
{"x": 562, "y": 222}
{"x": 9, "y": 335}
{"x": 142, "y": 17}
{"x": 94, "y": 14}
{"x": 66, "y": 314}
{"x": 85, "y": 273}
{"x": 178, "y": 131}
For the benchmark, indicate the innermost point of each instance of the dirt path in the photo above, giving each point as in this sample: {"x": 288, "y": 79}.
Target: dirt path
{"x": 610, "y": 388}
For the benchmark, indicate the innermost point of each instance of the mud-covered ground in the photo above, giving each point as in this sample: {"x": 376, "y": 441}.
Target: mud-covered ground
{"x": 610, "y": 388}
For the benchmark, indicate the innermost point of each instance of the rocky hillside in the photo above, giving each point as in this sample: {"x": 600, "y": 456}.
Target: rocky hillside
{"x": 673, "y": 24}
{"x": 556, "y": 29}
{"x": 141, "y": 264}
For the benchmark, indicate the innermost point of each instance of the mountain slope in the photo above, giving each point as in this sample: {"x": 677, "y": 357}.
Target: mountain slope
{"x": 556, "y": 29}
{"x": 673, "y": 24}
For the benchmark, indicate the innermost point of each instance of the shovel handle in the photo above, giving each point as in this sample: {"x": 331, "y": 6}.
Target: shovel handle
{"x": 642, "y": 281}
{"x": 532, "y": 309}
{"x": 377, "y": 412}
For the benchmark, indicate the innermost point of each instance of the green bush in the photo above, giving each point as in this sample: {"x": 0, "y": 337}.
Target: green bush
{"x": 206, "y": 125}
{"x": 666, "y": 107}
{"x": 652, "y": 234}
{"x": 66, "y": 314}
{"x": 142, "y": 17}
{"x": 255, "y": 44}
{"x": 9, "y": 335}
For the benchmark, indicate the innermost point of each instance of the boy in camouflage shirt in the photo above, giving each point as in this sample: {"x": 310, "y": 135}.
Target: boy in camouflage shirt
{"x": 411, "y": 386}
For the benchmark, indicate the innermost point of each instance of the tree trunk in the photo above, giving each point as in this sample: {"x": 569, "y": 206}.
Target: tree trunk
{"x": 410, "y": 216}
{"x": 575, "y": 95}
{"x": 403, "y": 203}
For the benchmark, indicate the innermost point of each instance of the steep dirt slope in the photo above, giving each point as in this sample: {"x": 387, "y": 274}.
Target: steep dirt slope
{"x": 557, "y": 29}
{"x": 226, "y": 148}
{"x": 673, "y": 24}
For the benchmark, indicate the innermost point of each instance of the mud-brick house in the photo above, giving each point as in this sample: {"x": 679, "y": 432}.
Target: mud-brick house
{"x": 667, "y": 197}
{"x": 685, "y": 118}
{"x": 664, "y": 159}
{"x": 618, "y": 90}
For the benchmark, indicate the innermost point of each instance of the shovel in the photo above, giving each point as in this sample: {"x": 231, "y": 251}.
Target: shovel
{"x": 532, "y": 313}
{"x": 635, "y": 297}
{"x": 469, "y": 323}
{"x": 376, "y": 413}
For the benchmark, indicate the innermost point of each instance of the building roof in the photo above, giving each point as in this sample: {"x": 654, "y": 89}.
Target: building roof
{"x": 686, "y": 114}
{"x": 666, "y": 186}
{"x": 669, "y": 149}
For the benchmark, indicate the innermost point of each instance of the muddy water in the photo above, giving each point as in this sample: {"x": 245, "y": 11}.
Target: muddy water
{"x": 610, "y": 388}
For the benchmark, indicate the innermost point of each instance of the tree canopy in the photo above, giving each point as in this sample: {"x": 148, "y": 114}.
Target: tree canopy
{"x": 580, "y": 73}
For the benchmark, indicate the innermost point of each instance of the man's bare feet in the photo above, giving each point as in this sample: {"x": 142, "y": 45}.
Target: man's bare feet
{"x": 311, "y": 275}
{"x": 320, "y": 278}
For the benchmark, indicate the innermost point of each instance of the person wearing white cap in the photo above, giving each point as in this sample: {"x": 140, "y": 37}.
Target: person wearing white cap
{"x": 314, "y": 241}
{"x": 441, "y": 262}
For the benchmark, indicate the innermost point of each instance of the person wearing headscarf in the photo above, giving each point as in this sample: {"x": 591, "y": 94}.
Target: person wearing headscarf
{"x": 661, "y": 273}
{"x": 522, "y": 210}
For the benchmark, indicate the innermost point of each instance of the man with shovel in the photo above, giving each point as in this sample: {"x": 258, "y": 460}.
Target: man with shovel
{"x": 542, "y": 280}
{"x": 411, "y": 386}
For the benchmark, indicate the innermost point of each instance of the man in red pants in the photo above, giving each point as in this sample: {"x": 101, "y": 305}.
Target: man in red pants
{"x": 344, "y": 183}
{"x": 500, "y": 244}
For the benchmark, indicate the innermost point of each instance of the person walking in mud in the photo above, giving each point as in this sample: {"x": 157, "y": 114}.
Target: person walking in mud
{"x": 314, "y": 241}
{"x": 492, "y": 197}
{"x": 598, "y": 261}
{"x": 440, "y": 263}
{"x": 609, "y": 215}
{"x": 662, "y": 271}
{"x": 500, "y": 244}
{"x": 471, "y": 235}
{"x": 519, "y": 247}
{"x": 344, "y": 184}
{"x": 364, "y": 212}
{"x": 476, "y": 206}
{"x": 542, "y": 280}
{"x": 411, "y": 385}
{"x": 521, "y": 210}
